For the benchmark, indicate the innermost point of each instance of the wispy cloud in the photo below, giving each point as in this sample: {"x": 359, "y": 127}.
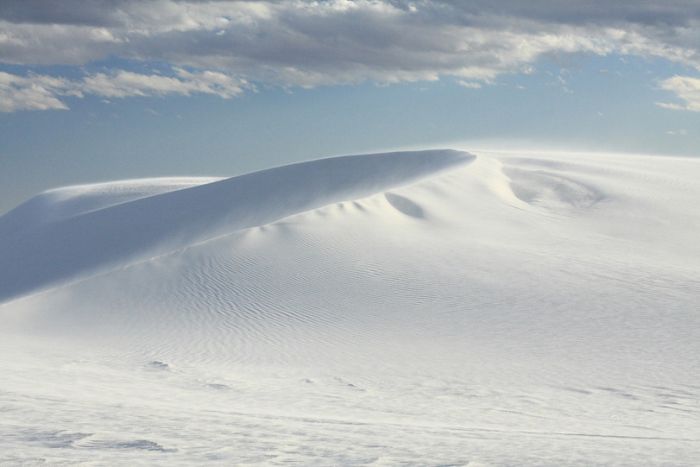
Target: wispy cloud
{"x": 33, "y": 92}
{"x": 126, "y": 83}
{"x": 470, "y": 84}
{"x": 41, "y": 92}
{"x": 679, "y": 132}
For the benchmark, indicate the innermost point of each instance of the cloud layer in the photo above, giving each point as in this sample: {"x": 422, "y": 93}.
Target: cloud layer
{"x": 305, "y": 43}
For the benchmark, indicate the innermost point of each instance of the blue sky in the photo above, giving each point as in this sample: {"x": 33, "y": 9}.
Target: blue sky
{"x": 136, "y": 89}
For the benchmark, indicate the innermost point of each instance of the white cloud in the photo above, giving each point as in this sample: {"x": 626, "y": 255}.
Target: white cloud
{"x": 33, "y": 92}
{"x": 126, "y": 83}
{"x": 469, "y": 84}
{"x": 686, "y": 89}
{"x": 42, "y": 92}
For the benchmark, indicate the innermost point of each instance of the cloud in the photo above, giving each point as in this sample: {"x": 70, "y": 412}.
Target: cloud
{"x": 686, "y": 89}
{"x": 126, "y": 83}
{"x": 680, "y": 132}
{"x": 311, "y": 43}
{"x": 470, "y": 84}
{"x": 34, "y": 92}
{"x": 42, "y": 92}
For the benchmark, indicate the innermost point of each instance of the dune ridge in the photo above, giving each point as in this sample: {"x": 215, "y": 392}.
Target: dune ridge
{"x": 127, "y": 220}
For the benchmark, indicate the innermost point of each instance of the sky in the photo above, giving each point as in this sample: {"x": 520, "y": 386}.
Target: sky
{"x": 111, "y": 89}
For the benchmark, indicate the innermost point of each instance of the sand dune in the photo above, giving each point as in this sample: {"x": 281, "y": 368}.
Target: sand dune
{"x": 106, "y": 226}
{"x": 418, "y": 308}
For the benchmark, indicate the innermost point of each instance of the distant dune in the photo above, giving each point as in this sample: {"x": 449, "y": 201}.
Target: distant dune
{"x": 428, "y": 307}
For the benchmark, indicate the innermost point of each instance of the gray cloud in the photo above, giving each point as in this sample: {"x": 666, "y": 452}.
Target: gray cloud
{"x": 93, "y": 13}
{"x": 303, "y": 43}
{"x": 123, "y": 12}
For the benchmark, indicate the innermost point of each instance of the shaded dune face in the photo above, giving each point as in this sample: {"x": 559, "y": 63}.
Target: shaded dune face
{"x": 542, "y": 188}
{"x": 63, "y": 203}
{"x": 405, "y": 205}
{"x": 119, "y": 225}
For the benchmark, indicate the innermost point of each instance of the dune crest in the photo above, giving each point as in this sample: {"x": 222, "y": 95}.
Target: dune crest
{"x": 89, "y": 229}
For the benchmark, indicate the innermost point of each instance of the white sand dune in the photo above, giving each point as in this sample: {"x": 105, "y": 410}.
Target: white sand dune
{"x": 418, "y": 308}
{"x": 109, "y": 225}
